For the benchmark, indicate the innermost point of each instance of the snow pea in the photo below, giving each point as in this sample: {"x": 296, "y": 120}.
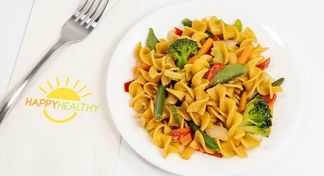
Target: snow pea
{"x": 229, "y": 72}
{"x": 151, "y": 40}
{"x": 210, "y": 143}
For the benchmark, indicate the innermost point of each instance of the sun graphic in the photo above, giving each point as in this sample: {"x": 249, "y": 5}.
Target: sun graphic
{"x": 67, "y": 92}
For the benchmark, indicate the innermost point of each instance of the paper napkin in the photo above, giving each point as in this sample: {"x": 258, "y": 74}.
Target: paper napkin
{"x": 61, "y": 125}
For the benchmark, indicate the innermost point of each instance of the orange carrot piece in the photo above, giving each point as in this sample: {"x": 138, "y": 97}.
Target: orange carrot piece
{"x": 245, "y": 55}
{"x": 201, "y": 148}
{"x": 187, "y": 153}
{"x": 203, "y": 50}
{"x": 185, "y": 140}
{"x": 243, "y": 101}
{"x": 143, "y": 66}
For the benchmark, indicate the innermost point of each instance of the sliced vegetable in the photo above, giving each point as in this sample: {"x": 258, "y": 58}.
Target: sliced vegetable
{"x": 126, "y": 85}
{"x": 218, "y": 54}
{"x": 201, "y": 149}
{"x": 174, "y": 75}
{"x": 270, "y": 101}
{"x": 218, "y": 132}
{"x": 238, "y": 25}
{"x": 175, "y": 113}
{"x": 159, "y": 102}
{"x": 210, "y": 143}
{"x": 263, "y": 65}
{"x": 203, "y": 50}
{"x": 185, "y": 140}
{"x": 213, "y": 70}
{"x": 230, "y": 43}
{"x": 187, "y": 22}
{"x": 151, "y": 40}
{"x": 278, "y": 82}
{"x": 178, "y": 134}
{"x": 229, "y": 72}
{"x": 178, "y": 31}
{"x": 187, "y": 153}
{"x": 210, "y": 34}
{"x": 243, "y": 101}
{"x": 143, "y": 66}
{"x": 217, "y": 154}
{"x": 216, "y": 38}
{"x": 245, "y": 55}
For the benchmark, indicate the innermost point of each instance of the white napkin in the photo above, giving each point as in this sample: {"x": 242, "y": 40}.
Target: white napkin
{"x": 59, "y": 134}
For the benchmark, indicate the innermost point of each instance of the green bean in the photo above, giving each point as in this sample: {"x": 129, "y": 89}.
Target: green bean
{"x": 278, "y": 82}
{"x": 187, "y": 22}
{"x": 210, "y": 143}
{"x": 159, "y": 102}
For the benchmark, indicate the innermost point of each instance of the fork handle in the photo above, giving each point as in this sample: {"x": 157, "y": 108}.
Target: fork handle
{"x": 14, "y": 94}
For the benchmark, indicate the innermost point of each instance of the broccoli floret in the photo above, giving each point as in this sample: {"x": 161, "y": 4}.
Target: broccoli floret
{"x": 257, "y": 117}
{"x": 181, "y": 49}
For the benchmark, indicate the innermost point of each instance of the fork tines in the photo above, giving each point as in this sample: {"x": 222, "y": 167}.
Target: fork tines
{"x": 89, "y": 12}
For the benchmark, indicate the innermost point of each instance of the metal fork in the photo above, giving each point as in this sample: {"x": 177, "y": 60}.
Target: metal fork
{"x": 77, "y": 28}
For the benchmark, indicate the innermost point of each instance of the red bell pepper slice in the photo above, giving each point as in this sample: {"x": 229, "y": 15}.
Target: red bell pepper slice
{"x": 213, "y": 70}
{"x": 216, "y": 38}
{"x": 269, "y": 101}
{"x": 219, "y": 155}
{"x": 263, "y": 65}
{"x": 126, "y": 85}
{"x": 179, "y": 133}
{"x": 201, "y": 149}
{"x": 178, "y": 31}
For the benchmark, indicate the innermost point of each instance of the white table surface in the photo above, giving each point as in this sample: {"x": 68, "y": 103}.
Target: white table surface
{"x": 301, "y": 154}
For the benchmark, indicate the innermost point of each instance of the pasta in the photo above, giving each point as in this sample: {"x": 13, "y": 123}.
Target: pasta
{"x": 217, "y": 110}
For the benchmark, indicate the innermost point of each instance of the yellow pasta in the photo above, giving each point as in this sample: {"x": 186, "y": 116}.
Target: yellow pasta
{"x": 201, "y": 105}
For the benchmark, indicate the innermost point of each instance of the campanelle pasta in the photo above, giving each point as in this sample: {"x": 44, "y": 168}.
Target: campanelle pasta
{"x": 196, "y": 101}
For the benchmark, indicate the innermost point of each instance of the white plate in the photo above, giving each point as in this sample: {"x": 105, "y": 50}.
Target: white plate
{"x": 283, "y": 64}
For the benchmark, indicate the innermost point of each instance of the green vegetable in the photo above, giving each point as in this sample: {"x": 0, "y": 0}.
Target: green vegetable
{"x": 218, "y": 54}
{"x": 229, "y": 72}
{"x": 159, "y": 102}
{"x": 175, "y": 113}
{"x": 238, "y": 25}
{"x": 187, "y": 22}
{"x": 174, "y": 75}
{"x": 210, "y": 34}
{"x": 210, "y": 143}
{"x": 257, "y": 117}
{"x": 181, "y": 49}
{"x": 151, "y": 40}
{"x": 278, "y": 82}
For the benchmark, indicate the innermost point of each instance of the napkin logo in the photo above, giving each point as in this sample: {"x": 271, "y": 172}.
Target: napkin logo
{"x": 63, "y": 101}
